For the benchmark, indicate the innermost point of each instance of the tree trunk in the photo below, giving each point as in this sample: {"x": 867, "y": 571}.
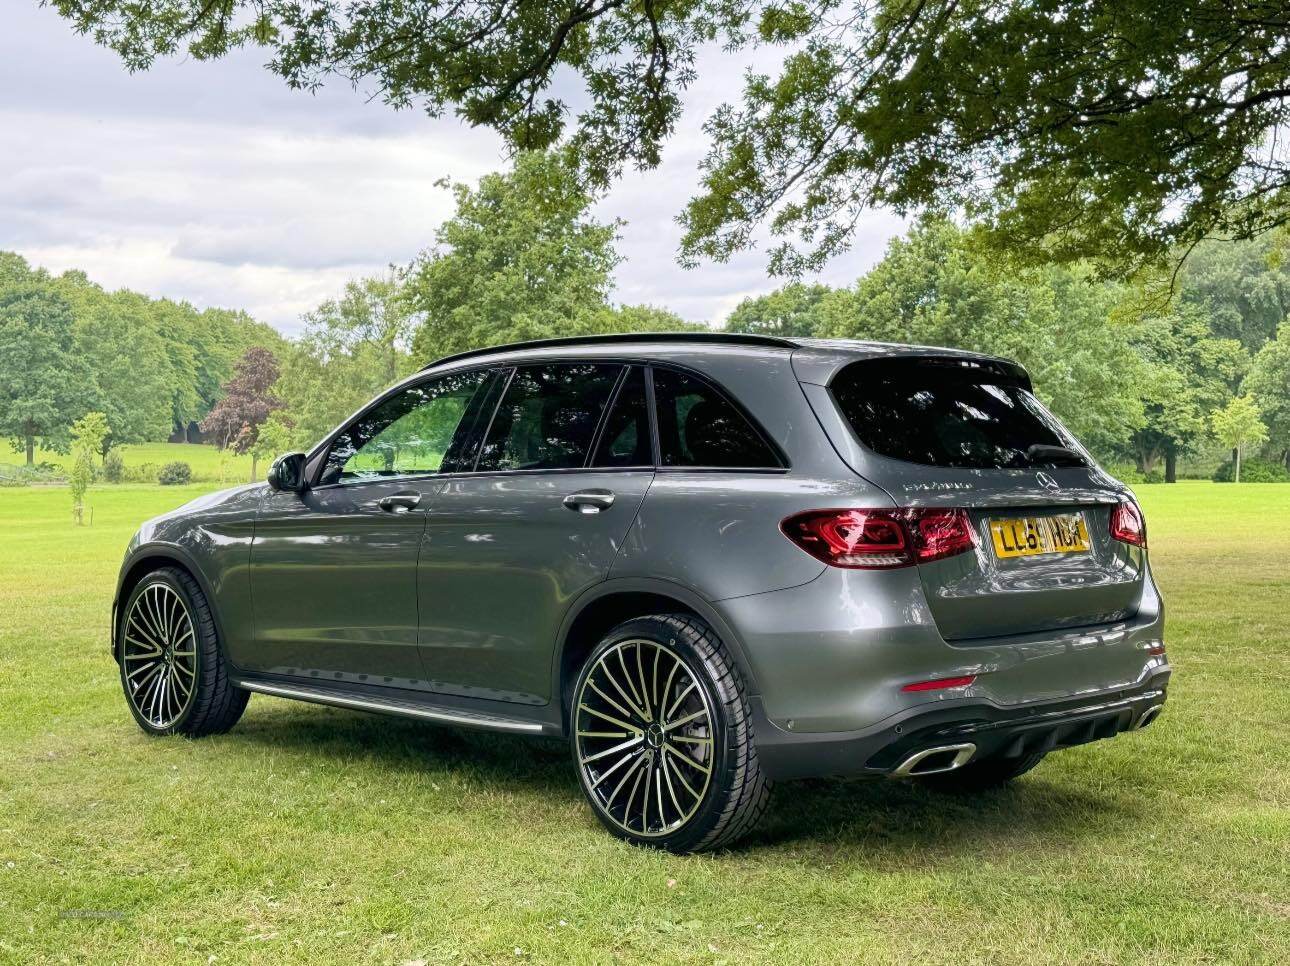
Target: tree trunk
{"x": 1237, "y": 477}
{"x": 31, "y": 450}
{"x": 1171, "y": 466}
{"x": 255, "y": 460}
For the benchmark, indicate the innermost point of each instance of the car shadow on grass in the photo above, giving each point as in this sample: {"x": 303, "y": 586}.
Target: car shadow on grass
{"x": 885, "y": 821}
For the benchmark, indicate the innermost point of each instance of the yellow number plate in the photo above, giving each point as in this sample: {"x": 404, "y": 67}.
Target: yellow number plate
{"x": 1031, "y": 536}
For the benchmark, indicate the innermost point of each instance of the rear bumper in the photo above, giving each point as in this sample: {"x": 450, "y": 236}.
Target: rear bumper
{"x": 992, "y": 730}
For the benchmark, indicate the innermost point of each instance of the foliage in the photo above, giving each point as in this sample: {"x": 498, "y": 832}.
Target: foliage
{"x": 274, "y": 438}
{"x": 521, "y": 258}
{"x": 1269, "y": 382}
{"x": 44, "y": 384}
{"x": 175, "y": 474}
{"x": 935, "y": 288}
{"x": 248, "y": 401}
{"x": 1253, "y": 470}
{"x": 370, "y": 316}
{"x": 1243, "y": 288}
{"x": 88, "y": 434}
{"x": 788, "y": 311}
{"x": 1238, "y": 424}
{"x": 1074, "y": 128}
{"x": 114, "y": 466}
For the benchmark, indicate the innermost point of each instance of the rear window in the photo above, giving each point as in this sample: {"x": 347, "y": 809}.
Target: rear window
{"x": 937, "y": 414}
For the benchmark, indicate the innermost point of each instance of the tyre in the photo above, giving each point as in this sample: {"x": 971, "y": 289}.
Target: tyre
{"x": 662, "y": 737}
{"x": 172, "y": 671}
{"x": 981, "y": 776}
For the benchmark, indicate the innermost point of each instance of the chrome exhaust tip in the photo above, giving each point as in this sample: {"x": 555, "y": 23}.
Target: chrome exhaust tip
{"x": 959, "y": 755}
{"x": 1147, "y": 717}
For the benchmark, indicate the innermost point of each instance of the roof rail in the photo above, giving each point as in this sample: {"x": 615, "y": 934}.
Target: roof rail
{"x": 717, "y": 338}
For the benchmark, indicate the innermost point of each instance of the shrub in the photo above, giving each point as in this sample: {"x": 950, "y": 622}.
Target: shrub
{"x": 1253, "y": 470}
{"x": 1125, "y": 473}
{"x": 175, "y": 473}
{"x": 143, "y": 473}
{"x": 1155, "y": 476}
{"x": 113, "y": 467}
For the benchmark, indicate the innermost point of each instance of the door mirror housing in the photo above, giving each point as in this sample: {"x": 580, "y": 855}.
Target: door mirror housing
{"x": 288, "y": 473}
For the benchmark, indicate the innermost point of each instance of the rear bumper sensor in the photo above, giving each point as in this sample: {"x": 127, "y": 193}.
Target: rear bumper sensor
{"x": 934, "y": 761}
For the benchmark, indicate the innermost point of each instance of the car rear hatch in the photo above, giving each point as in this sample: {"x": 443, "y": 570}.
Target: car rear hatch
{"x": 943, "y": 431}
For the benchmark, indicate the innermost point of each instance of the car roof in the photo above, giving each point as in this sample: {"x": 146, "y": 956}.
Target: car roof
{"x": 832, "y": 352}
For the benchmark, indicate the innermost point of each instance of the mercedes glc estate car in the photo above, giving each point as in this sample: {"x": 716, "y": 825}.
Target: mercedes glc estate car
{"x": 711, "y": 562}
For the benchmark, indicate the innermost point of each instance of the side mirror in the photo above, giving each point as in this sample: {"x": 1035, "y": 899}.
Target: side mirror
{"x": 288, "y": 473}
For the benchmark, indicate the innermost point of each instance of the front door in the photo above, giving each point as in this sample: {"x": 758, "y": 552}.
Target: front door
{"x": 509, "y": 546}
{"x": 333, "y": 569}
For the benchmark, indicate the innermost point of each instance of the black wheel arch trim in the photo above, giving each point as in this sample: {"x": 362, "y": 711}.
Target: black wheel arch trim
{"x": 173, "y": 554}
{"x": 645, "y": 585}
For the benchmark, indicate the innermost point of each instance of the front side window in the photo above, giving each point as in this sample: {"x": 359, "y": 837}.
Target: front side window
{"x": 548, "y": 417}
{"x": 697, "y": 426}
{"x": 408, "y": 434}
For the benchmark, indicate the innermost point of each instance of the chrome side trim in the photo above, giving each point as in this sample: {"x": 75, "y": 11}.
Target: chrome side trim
{"x": 397, "y": 708}
{"x": 963, "y": 754}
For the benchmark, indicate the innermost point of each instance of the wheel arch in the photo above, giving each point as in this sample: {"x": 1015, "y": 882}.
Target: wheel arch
{"x": 609, "y": 604}
{"x": 146, "y": 559}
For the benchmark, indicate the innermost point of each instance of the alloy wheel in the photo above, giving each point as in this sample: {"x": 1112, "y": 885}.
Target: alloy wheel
{"x": 159, "y": 655}
{"x": 644, "y": 737}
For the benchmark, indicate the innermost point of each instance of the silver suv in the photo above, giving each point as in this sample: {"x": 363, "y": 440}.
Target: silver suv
{"x": 709, "y": 561}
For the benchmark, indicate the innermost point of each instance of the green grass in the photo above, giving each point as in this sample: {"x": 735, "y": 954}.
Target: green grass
{"x": 209, "y": 464}
{"x": 317, "y": 835}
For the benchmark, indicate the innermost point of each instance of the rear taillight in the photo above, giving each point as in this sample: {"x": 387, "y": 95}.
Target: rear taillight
{"x": 1127, "y": 524}
{"x": 880, "y": 539}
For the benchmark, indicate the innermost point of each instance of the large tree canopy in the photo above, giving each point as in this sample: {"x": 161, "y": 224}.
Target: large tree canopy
{"x": 1116, "y": 129}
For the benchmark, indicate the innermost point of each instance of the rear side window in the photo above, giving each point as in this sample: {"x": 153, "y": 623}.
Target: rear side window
{"x": 625, "y": 440}
{"x": 939, "y": 415}
{"x": 548, "y": 417}
{"x": 697, "y": 426}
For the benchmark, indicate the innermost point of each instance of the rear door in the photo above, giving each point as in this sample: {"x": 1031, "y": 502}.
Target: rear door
{"x": 539, "y": 519}
{"x": 940, "y": 431}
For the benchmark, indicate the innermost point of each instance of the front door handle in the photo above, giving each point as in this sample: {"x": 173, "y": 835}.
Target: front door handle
{"x": 589, "y": 501}
{"x": 399, "y": 502}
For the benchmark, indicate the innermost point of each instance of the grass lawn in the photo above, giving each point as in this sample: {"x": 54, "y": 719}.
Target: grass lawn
{"x": 317, "y": 835}
{"x": 209, "y": 464}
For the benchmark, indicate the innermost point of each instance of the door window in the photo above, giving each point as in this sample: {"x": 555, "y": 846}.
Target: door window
{"x": 697, "y": 426}
{"x": 408, "y": 434}
{"x": 548, "y": 417}
{"x": 625, "y": 440}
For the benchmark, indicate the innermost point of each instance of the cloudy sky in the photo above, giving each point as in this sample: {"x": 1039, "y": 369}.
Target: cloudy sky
{"x": 215, "y": 183}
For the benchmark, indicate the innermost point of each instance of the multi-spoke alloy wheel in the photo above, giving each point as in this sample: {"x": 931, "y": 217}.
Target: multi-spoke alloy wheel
{"x": 159, "y": 651}
{"x": 662, "y": 737}
{"x": 644, "y": 737}
{"x": 173, "y": 673}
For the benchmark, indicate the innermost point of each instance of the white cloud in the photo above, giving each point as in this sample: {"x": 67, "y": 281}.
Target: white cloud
{"x": 215, "y": 183}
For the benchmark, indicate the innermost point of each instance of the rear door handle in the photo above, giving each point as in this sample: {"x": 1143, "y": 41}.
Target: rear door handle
{"x": 399, "y": 502}
{"x": 589, "y": 501}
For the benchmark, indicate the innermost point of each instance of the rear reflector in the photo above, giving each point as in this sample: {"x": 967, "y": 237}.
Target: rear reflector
{"x": 940, "y": 683}
{"x": 881, "y": 539}
{"x": 1127, "y": 524}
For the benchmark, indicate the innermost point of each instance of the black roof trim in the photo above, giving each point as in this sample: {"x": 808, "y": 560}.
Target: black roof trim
{"x": 710, "y": 338}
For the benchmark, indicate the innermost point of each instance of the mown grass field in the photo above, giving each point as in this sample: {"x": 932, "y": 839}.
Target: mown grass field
{"x": 209, "y": 464}
{"x": 317, "y": 835}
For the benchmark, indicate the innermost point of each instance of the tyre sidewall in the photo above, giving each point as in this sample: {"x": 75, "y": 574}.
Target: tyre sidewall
{"x": 682, "y": 640}
{"x": 169, "y": 578}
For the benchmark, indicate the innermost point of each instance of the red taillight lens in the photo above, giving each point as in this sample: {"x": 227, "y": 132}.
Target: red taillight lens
{"x": 939, "y": 684}
{"x": 880, "y": 539}
{"x": 1127, "y": 524}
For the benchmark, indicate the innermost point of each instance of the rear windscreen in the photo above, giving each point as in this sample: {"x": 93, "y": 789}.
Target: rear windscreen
{"x": 937, "y": 415}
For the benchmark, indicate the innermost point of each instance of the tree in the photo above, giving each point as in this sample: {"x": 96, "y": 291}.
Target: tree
{"x": 934, "y": 287}
{"x": 273, "y": 439}
{"x": 521, "y": 258}
{"x": 1237, "y": 425}
{"x": 1189, "y": 373}
{"x": 372, "y": 313}
{"x": 788, "y": 311}
{"x": 44, "y": 384}
{"x": 88, "y": 433}
{"x": 248, "y": 400}
{"x": 1269, "y": 382}
{"x": 1076, "y": 128}
{"x": 1244, "y": 287}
